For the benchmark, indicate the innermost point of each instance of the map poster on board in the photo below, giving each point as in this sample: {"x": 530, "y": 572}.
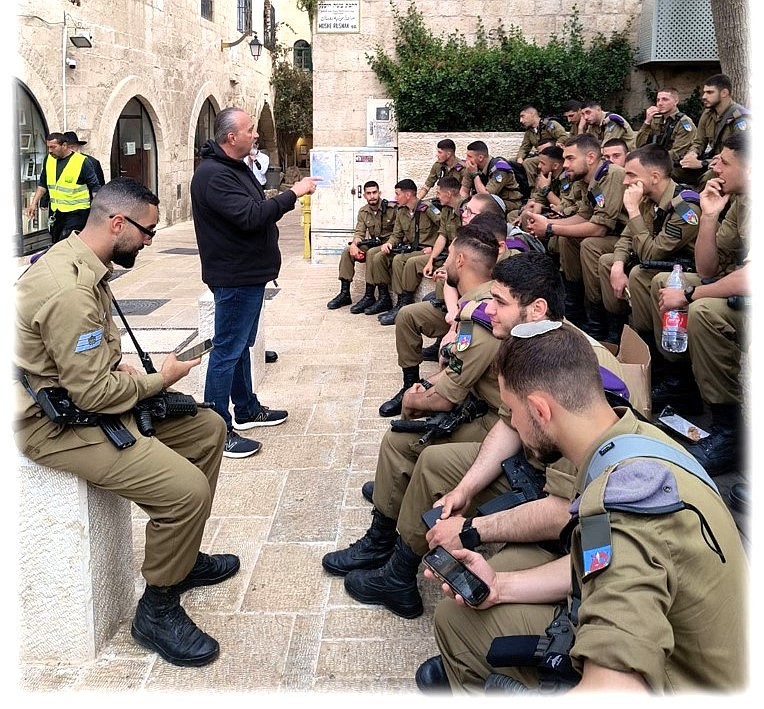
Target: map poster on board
{"x": 339, "y": 16}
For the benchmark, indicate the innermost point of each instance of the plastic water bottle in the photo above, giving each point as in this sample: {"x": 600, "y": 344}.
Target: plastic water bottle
{"x": 674, "y": 336}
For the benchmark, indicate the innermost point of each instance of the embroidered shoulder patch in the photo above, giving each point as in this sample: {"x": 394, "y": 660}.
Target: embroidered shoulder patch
{"x": 89, "y": 340}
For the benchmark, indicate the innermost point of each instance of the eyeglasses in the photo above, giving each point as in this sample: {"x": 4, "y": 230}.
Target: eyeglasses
{"x": 467, "y": 210}
{"x": 151, "y": 233}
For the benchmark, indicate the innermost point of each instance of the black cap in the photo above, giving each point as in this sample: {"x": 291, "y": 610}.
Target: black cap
{"x": 71, "y": 137}
{"x": 406, "y": 184}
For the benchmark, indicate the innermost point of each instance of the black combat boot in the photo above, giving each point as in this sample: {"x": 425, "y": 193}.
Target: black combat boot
{"x": 366, "y": 302}
{"x": 596, "y": 324}
{"x": 161, "y": 625}
{"x": 367, "y": 490}
{"x": 383, "y": 303}
{"x": 371, "y": 551}
{"x": 723, "y": 451}
{"x": 392, "y": 407}
{"x": 677, "y": 389}
{"x": 342, "y": 298}
{"x": 431, "y": 677}
{"x": 431, "y": 353}
{"x": 616, "y": 321}
{"x": 209, "y": 570}
{"x": 405, "y": 298}
{"x": 392, "y": 585}
{"x": 574, "y": 301}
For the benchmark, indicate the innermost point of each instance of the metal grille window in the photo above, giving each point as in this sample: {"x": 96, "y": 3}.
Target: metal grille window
{"x": 207, "y": 9}
{"x": 302, "y": 55}
{"x": 244, "y": 15}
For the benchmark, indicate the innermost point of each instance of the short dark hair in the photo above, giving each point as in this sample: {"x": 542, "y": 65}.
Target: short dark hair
{"x": 554, "y": 152}
{"x": 406, "y": 184}
{"x": 478, "y": 146}
{"x": 654, "y": 157}
{"x": 531, "y": 275}
{"x": 449, "y": 183}
{"x": 585, "y": 142}
{"x": 572, "y": 105}
{"x": 613, "y": 142}
{"x": 447, "y": 144}
{"x": 492, "y": 222}
{"x": 740, "y": 144}
{"x": 370, "y": 183}
{"x": 592, "y": 103}
{"x": 720, "y": 81}
{"x": 59, "y": 137}
{"x": 122, "y": 194}
{"x": 529, "y": 107}
{"x": 669, "y": 90}
{"x": 560, "y": 362}
{"x": 480, "y": 242}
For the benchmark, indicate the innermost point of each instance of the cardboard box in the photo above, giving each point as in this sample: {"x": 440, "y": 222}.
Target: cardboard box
{"x": 634, "y": 356}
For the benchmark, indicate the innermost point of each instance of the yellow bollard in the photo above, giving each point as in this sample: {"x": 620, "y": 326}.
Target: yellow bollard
{"x": 305, "y": 202}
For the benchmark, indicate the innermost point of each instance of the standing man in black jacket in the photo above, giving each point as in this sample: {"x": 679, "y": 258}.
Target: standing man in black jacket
{"x": 237, "y": 235}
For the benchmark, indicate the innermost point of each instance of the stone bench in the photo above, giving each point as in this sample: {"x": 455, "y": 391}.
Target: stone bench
{"x": 76, "y": 579}
{"x": 207, "y": 329}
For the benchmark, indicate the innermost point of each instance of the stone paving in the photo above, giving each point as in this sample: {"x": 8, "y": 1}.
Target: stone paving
{"x": 283, "y": 624}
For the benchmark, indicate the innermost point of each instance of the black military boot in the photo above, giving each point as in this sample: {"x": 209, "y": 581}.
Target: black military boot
{"x": 431, "y": 677}
{"x": 392, "y": 407}
{"x": 723, "y": 451}
{"x": 343, "y": 297}
{"x": 161, "y": 625}
{"x": 616, "y": 321}
{"x": 367, "y": 490}
{"x": 431, "y": 353}
{"x": 677, "y": 389}
{"x": 574, "y": 301}
{"x": 209, "y": 570}
{"x": 405, "y": 298}
{"x": 366, "y": 302}
{"x": 383, "y": 303}
{"x": 371, "y": 551}
{"x": 392, "y": 585}
{"x": 596, "y": 324}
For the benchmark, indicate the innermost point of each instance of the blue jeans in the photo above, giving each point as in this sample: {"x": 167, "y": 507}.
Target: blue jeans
{"x": 229, "y": 373}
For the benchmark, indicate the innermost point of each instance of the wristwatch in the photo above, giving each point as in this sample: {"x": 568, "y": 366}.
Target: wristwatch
{"x": 548, "y": 231}
{"x": 688, "y": 292}
{"x": 469, "y": 536}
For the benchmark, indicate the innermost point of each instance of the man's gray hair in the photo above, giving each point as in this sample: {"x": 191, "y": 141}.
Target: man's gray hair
{"x": 225, "y": 123}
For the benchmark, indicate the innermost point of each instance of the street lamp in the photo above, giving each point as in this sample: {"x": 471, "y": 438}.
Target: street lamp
{"x": 255, "y": 46}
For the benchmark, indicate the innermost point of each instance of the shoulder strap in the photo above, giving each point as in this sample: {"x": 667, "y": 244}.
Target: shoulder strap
{"x": 630, "y": 445}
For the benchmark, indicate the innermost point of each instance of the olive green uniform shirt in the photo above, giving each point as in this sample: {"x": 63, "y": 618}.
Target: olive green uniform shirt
{"x": 440, "y": 170}
{"x": 666, "y": 607}
{"x": 680, "y": 129}
{"x": 498, "y": 180}
{"x": 548, "y": 131}
{"x": 66, "y": 337}
{"x": 676, "y": 236}
{"x": 613, "y": 126}
{"x": 602, "y": 203}
{"x": 733, "y": 237}
{"x": 450, "y": 221}
{"x": 374, "y": 225}
{"x": 405, "y": 225}
{"x": 707, "y": 143}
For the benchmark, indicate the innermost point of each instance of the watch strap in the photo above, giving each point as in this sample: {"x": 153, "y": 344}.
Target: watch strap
{"x": 469, "y": 536}
{"x": 688, "y": 293}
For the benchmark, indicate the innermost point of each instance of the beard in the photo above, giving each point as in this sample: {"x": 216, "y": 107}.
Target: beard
{"x": 451, "y": 281}
{"x": 542, "y": 446}
{"x": 123, "y": 257}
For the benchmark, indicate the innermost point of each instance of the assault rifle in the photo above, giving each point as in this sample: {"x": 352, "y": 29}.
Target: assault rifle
{"x": 166, "y": 404}
{"x": 368, "y": 243}
{"x": 444, "y": 423}
{"x": 687, "y": 264}
{"x": 526, "y": 482}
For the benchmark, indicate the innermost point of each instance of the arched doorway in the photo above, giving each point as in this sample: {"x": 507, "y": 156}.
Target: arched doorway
{"x": 134, "y": 146}
{"x": 205, "y": 128}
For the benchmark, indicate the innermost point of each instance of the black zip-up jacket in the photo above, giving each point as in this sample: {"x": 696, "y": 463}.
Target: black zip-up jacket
{"x": 235, "y": 224}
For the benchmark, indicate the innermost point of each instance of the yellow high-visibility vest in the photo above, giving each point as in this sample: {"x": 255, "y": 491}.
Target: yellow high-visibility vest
{"x": 66, "y": 194}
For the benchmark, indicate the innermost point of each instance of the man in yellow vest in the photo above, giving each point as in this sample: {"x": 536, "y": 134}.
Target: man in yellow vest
{"x": 69, "y": 179}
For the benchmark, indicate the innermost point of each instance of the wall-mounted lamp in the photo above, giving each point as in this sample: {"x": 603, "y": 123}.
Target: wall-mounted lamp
{"x": 82, "y": 39}
{"x": 255, "y": 45}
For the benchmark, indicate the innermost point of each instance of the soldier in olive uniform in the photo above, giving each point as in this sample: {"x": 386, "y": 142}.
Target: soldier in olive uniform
{"x": 716, "y": 333}
{"x": 491, "y": 175}
{"x": 66, "y": 337}
{"x": 663, "y": 224}
{"x": 469, "y": 372}
{"x": 721, "y": 118}
{"x": 447, "y": 165}
{"x": 592, "y": 231}
{"x": 604, "y": 125}
{"x": 539, "y": 134}
{"x": 647, "y": 511}
{"x": 667, "y": 126}
{"x": 572, "y": 112}
{"x": 375, "y": 223}
{"x": 615, "y": 150}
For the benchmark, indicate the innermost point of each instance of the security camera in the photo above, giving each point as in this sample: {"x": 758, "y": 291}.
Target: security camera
{"x": 71, "y": 63}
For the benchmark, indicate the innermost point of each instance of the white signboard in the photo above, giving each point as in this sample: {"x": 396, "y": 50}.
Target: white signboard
{"x": 339, "y": 16}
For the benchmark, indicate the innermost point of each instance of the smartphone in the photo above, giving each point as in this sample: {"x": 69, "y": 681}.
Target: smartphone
{"x": 671, "y": 419}
{"x": 461, "y": 580}
{"x": 195, "y": 351}
{"x": 431, "y": 515}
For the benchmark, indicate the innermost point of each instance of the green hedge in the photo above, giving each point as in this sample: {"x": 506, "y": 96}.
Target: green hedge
{"x": 444, "y": 84}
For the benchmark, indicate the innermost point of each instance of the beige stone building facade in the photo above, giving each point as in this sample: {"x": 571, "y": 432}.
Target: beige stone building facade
{"x": 144, "y": 94}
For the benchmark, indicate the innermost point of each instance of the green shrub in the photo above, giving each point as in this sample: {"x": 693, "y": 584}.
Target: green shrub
{"x": 445, "y": 84}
